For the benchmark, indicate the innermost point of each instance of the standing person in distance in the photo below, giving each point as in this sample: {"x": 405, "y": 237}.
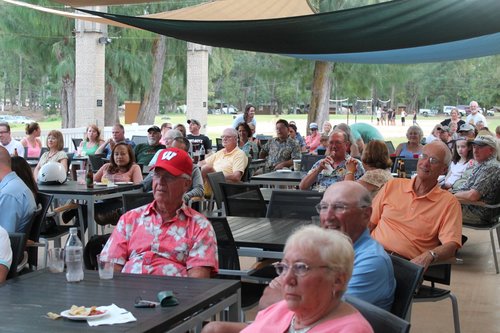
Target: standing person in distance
{"x": 247, "y": 117}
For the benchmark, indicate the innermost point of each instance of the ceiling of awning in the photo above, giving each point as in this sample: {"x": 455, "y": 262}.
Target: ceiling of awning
{"x": 400, "y": 31}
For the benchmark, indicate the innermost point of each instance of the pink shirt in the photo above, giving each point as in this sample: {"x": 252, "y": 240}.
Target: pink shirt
{"x": 277, "y": 318}
{"x": 313, "y": 142}
{"x": 145, "y": 244}
{"x": 133, "y": 175}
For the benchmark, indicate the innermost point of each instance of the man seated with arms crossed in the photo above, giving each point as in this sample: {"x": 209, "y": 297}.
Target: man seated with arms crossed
{"x": 281, "y": 150}
{"x": 482, "y": 182}
{"x": 332, "y": 168}
{"x": 117, "y": 135}
{"x": 231, "y": 160}
{"x": 415, "y": 218}
{"x": 346, "y": 206}
{"x": 165, "y": 237}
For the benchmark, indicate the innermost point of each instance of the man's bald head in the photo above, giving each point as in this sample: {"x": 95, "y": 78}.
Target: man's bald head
{"x": 4, "y": 159}
{"x": 349, "y": 208}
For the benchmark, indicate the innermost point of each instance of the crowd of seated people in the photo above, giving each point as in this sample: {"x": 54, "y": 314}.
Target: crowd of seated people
{"x": 365, "y": 231}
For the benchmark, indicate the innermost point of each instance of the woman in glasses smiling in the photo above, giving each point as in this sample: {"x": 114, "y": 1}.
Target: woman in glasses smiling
{"x": 315, "y": 270}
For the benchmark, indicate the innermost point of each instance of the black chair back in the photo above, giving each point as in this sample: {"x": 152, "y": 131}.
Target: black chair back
{"x": 44, "y": 201}
{"x": 307, "y": 161}
{"x": 293, "y": 204}
{"x": 94, "y": 247}
{"x": 381, "y": 321}
{"x": 43, "y": 151}
{"x": 390, "y": 147}
{"x": 410, "y": 165}
{"x": 243, "y": 200}
{"x": 138, "y": 139}
{"x": 214, "y": 179}
{"x": 135, "y": 200}
{"x": 246, "y": 175}
{"x": 408, "y": 277}
{"x": 218, "y": 142}
{"x": 96, "y": 162}
{"x": 76, "y": 142}
{"x": 321, "y": 151}
{"x": 17, "y": 244}
{"x": 226, "y": 247}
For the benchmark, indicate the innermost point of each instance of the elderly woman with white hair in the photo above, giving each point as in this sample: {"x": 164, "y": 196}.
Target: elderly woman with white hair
{"x": 315, "y": 271}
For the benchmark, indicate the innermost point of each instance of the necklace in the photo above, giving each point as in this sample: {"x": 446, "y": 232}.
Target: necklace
{"x": 292, "y": 329}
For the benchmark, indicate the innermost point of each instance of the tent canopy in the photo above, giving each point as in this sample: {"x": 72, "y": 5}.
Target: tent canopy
{"x": 400, "y": 31}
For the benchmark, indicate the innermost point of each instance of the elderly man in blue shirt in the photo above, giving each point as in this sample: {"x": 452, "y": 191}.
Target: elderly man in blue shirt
{"x": 17, "y": 202}
{"x": 346, "y": 206}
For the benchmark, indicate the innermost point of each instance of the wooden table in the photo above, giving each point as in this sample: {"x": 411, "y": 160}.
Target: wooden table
{"x": 26, "y": 300}
{"x": 262, "y": 237}
{"x": 72, "y": 190}
{"x": 279, "y": 178}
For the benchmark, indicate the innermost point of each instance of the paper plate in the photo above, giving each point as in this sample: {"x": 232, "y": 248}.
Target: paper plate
{"x": 66, "y": 314}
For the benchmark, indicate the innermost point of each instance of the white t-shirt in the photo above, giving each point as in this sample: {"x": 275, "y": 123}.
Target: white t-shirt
{"x": 455, "y": 172}
{"x": 475, "y": 118}
{"x": 5, "y": 249}
{"x": 13, "y": 144}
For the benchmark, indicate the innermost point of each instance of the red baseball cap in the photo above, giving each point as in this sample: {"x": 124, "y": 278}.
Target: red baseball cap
{"x": 175, "y": 161}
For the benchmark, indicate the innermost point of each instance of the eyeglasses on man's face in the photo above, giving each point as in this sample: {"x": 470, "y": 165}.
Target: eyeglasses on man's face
{"x": 432, "y": 160}
{"x": 337, "y": 207}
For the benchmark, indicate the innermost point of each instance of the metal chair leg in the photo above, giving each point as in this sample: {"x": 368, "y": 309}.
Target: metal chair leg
{"x": 493, "y": 248}
{"x": 456, "y": 318}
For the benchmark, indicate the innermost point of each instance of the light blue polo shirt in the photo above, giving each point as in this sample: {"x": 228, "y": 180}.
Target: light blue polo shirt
{"x": 17, "y": 203}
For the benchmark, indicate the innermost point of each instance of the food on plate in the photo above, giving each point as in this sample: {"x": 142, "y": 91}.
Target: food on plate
{"x": 83, "y": 311}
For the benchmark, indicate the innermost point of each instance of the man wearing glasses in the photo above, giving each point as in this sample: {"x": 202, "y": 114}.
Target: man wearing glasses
{"x": 117, "y": 135}
{"x": 346, "y": 207}
{"x": 7, "y": 142}
{"x": 332, "y": 168}
{"x": 415, "y": 218}
{"x": 165, "y": 237}
{"x": 482, "y": 182}
{"x": 280, "y": 151}
{"x": 231, "y": 160}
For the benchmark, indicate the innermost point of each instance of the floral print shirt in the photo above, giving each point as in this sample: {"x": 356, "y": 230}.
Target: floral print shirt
{"x": 280, "y": 151}
{"x": 327, "y": 177}
{"x": 145, "y": 244}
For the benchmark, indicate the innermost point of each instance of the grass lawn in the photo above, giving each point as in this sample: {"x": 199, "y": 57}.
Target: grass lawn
{"x": 265, "y": 124}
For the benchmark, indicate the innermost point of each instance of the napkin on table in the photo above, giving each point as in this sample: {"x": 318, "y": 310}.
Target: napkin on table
{"x": 115, "y": 315}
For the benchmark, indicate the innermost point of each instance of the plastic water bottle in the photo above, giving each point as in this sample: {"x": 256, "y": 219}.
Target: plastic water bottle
{"x": 74, "y": 257}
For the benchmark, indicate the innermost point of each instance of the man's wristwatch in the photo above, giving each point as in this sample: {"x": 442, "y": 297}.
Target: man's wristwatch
{"x": 434, "y": 255}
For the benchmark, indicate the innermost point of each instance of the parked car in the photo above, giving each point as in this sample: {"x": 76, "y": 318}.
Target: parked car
{"x": 490, "y": 113}
{"x": 231, "y": 109}
{"x": 427, "y": 112}
{"x": 15, "y": 119}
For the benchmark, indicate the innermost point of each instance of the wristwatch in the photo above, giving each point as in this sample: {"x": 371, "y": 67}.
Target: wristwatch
{"x": 434, "y": 255}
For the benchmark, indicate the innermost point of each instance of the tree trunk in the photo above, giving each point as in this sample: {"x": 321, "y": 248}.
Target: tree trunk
{"x": 151, "y": 103}
{"x": 111, "y": 106}
{"x": 68, "y": 102}
{"x": 20, "y": 87}
{"x": 320, "y": 93}
{"x": 393, "y": 96}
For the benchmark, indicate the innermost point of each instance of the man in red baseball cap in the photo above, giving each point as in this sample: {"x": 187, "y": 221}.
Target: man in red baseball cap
{"x": 165, "y": 237}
